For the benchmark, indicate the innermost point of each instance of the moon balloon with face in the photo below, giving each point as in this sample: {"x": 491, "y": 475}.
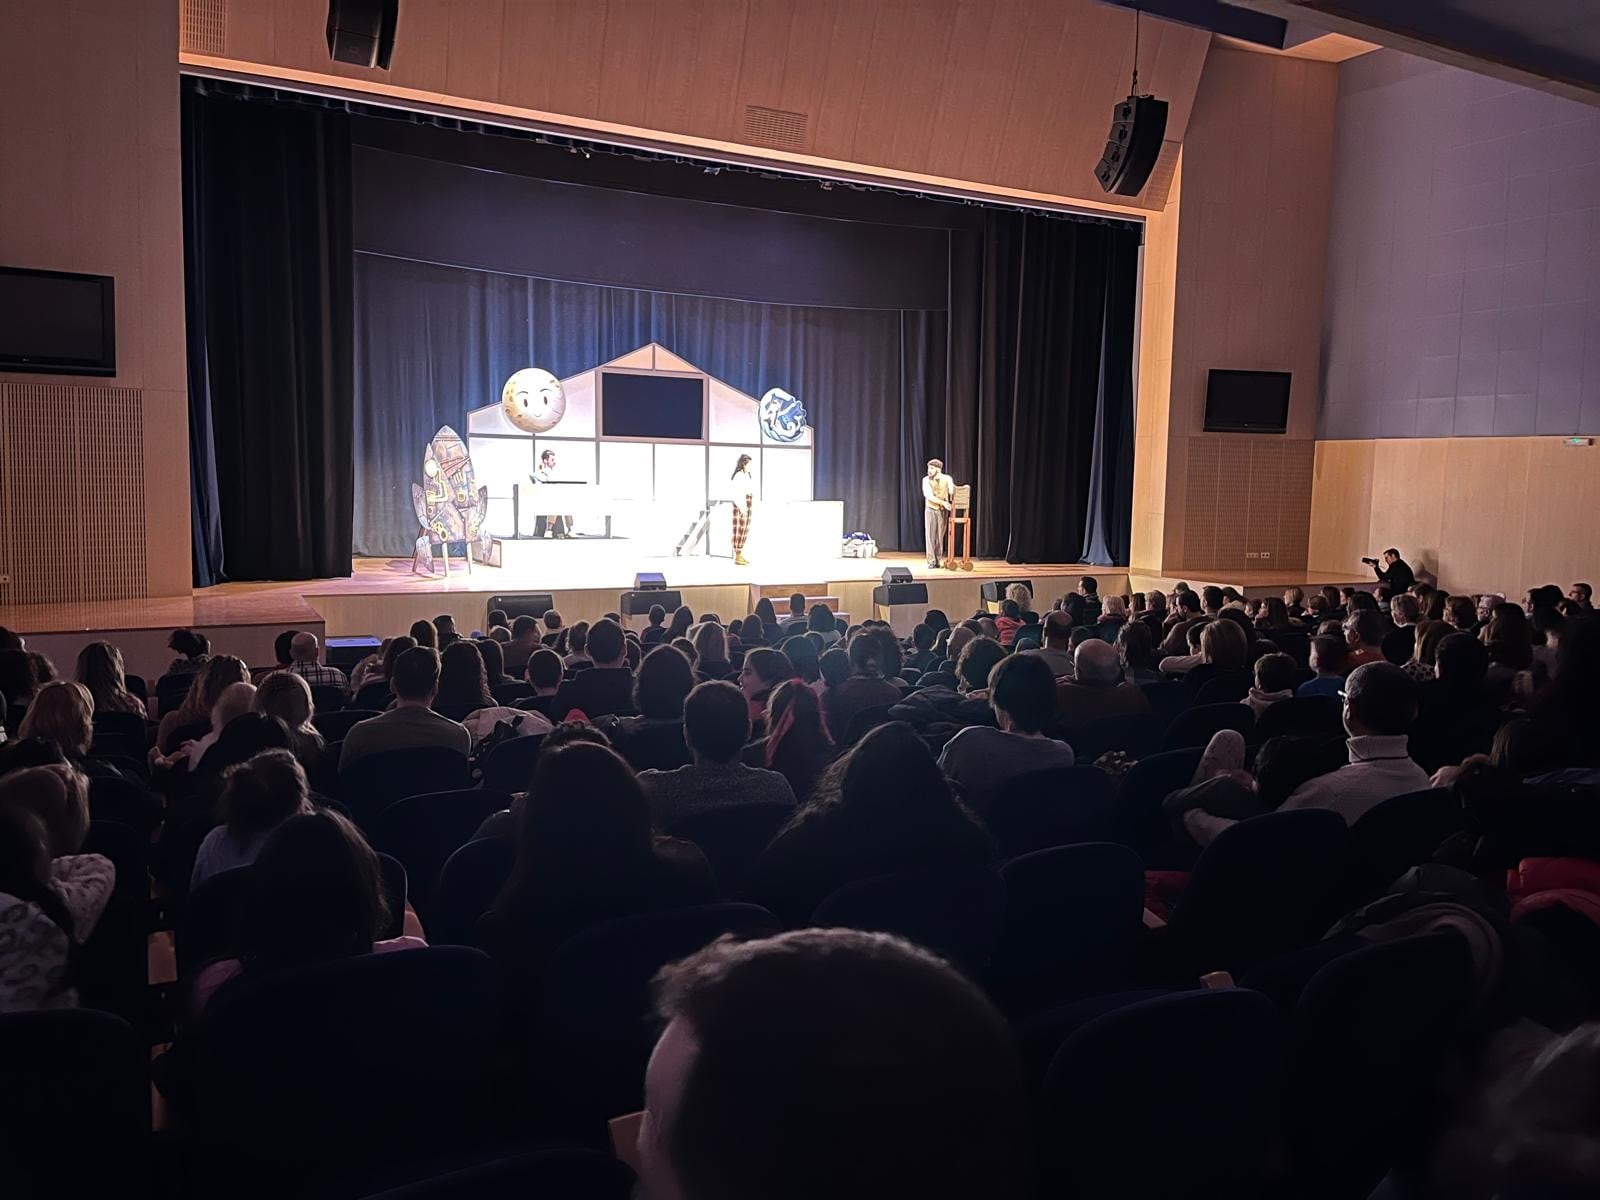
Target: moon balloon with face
{"x": 533, "y": 400}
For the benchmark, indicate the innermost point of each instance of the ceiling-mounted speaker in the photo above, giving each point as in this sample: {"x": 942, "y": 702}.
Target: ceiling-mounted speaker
{"x": 1138, "y": 126}
{"x": 361, "y": 32}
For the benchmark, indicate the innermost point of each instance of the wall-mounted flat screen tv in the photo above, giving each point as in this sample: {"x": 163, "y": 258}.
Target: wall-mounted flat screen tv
{"x": 1247, "y": 402}
{"x": 57, "y": 323}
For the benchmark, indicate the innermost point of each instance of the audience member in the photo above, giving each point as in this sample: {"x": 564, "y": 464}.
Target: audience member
{"x": 1096, "y": 688}
{"x": 315, "y": 893}
{"x": 821, "y": 623}
{"x": 545, "y": 675}
{"x": 47, "y": 906}
{"x": 524, "y": 641}
{"x": 1328, "y": 654}
{"x": 682, "y": 622}
{"x": 1582, "y": 595}
{"x": 980, "y": 761}
{"x": 716, "y": 726}
{"x": 794, "y": 621}
{"x": 307, "y": 653}
{"x": 1136, "y": 654}
{"x": 494, "y": 661}
{"x": 62, "y": 713}
{"x": 1056, "y": 653}
{"x": 193, "y": 651}
{"x": 1363, "y": 635}
{"x": 606, "y": 688}
{"x": 192, "y": 718}
{"x": 803, "y": 658}
{"x": 797, "y": 745}
{"x": 1181, "y": 652}
{"x": 896, "y": 1077}
{"x": 1425, "y": 649}
{"x": 655, "y": 630}
{"x": 577, "y": 646}
{"x": 586, "y": 853}
{"x": 1275, "y": 677}
{"x": 258, "y": 795}
{"x": 236, "y": 700}
{"x": 1509, "y": 639}
{"x": 874, "y": 661}
{"x": 1113, "y": 616}
{"x": 463, "y": 682}
{"x": 762, "y": 671}
{"x": 711, "y": 652}
{"x": 100, "y": 671}
{"x": 445, "y": 626}
{"x": 882, "y": 808}
{"x": 287, "y": 697}
{"x": 423, "y": 633}
{"x": 769, "y": 618}
{"x": 411, "y": 723}
{"x": 555, "y": 632}
{"x": 978, "y": 659}
{"x": 1008, "y": 622}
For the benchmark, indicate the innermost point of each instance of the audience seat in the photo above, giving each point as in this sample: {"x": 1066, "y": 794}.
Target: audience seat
{"x": 1263, "y": 886}
{"x": 1167, "y": 698}
{"x": 1194, "y": 727}
{"x": 75, "y": 1106}
{"x": 137, "y": 685}
{"x": 1056, "y": 807}
{"x": 954, "y": 911}
{"x": 864, "y": 722}
{"x": 423, "y": 831}
{"x": 537, "y": 1175}
{"x": 334, "y": 725}
{"x": 1301, "y": 716}
{"x": 594, "y": 1033}
{"x": 1225, "y": 687}
{"x": 328, "y": 697}
{"x": 1392, "y": 837}
{"x": 469, "y": 883}
{"x": 1072, "y": 921}
{"x": 125, "y": 802}
{"x": 371, "y": 784}
{"x": 510, "y": 693}
{"x": 732, "y": 838}
{"x": 654, "y": 747}
{"x": 1369, "y": 1037}
{"x": 124, "y": 726}
{"x": 929, "y": 679}
{"x": 1296, "y": 643}
{"x": 1135, "y": 734}
{"x": 509, "y": 766}
{"x": 112, "y": 969}
{"x": 373, "y": 697}
{"x": 1174, "y": 1096}
{"x": 170, "y": 693}
{"x": 1147, "y": 783}
{"x": 344, "y": 1070}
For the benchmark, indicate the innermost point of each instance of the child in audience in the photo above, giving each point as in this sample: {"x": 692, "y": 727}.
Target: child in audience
{"x": 1275, "y": 675}
{"x": 257, "y": 797}
{"x": 315, "y": 893}
{"x": 1328, "y": 654}
{"x": 192, "y": 719}
{"x": 1008, "y": 622}
{"x": 797, "y": 745}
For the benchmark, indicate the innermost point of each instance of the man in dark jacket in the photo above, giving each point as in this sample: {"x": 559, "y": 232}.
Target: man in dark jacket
{"x": 1394, "y": 574}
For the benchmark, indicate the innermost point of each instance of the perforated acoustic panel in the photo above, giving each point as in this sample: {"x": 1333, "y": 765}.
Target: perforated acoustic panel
{"x": 72, "y": 518}
{"x": 1248, "y": 503}
{"x": 204, "y": 26}
{"x": 776, "y": 127}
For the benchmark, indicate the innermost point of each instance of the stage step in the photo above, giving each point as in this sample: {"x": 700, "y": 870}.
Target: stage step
{"x": 696, "y": 531}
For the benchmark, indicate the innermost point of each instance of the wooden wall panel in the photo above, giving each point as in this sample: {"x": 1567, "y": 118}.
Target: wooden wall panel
{"x": 1246, "y": 504}
{"x": 92, "y": 182}
{"x": 1009, "y": 94}
{"x": 1483, "y": 514}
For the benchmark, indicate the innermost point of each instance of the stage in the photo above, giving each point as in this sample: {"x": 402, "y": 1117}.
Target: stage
{"x": 585, "y": 576}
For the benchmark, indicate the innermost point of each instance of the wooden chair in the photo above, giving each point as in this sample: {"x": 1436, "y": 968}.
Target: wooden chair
{"x": 960, "y": 514}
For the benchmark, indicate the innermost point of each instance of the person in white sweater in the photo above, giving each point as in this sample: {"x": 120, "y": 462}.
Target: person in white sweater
{"x": 1380, "y": 702}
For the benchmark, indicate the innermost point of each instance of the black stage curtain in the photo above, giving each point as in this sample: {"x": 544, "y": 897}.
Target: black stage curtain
{"x": 1040, "y": 402}
{"x": 268, "y": 274}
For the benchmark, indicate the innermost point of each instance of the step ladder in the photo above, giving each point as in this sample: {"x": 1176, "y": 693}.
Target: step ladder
{"x": 696, "y": 532}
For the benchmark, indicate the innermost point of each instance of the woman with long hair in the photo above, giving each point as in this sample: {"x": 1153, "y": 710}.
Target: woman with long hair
{"x": 287, "y": 696}
{"x": 463, "y": 682}
{"x": 820, "y": 621}
{"x": 711, "y": 651}
{"x": 100, "y": 670}
{"x": 744, "y": 493}
{"x": 586, "y": 853}
{"x": 494, "y": 661}
{"x": 682, "y": 622}
{"x": 882, "y": 808}
{"x": 802, "y": 656}
{"x": 315, "y": 894}
{"x": 192, "y": 718}
{"x": 762, "y": 671}
{"x": 769, "y": 617}
{"x": 797, "y": 745}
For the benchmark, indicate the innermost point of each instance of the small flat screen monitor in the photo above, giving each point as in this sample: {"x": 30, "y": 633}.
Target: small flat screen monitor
{"x": 58, "y": 323}
{"x": 1247, "y": 402}
{"x": 652, "y": 408}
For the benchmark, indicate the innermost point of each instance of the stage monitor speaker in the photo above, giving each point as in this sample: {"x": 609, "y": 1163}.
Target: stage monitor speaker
{"x": 345, "y": 652}
{"x": 523, "y": 604}
{"x": 994, "y": 590}
{"x": 897, "y": 575}
{"x": 638, "y": 603}
{"x": 649, "y": 581}
{"x": 361, "y": 32}
{"x": 900, "y": 593}
{"x": 1138, "y": 126}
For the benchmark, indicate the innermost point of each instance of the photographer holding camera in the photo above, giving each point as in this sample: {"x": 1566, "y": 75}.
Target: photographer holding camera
{"x": 1398, "y": 577}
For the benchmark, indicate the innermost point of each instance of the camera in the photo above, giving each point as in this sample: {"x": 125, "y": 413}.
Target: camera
{"x": 1371, "y": 562}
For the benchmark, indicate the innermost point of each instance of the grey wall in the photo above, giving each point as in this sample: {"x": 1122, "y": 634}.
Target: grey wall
{"x": 1463, "y": 291}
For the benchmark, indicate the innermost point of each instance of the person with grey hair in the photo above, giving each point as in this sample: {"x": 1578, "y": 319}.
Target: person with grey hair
{"x": 938, "y": 490}
{"x": 305, "y": 653}
{"x": 1380, "y": 704}
{"x": 1097, "y": 688}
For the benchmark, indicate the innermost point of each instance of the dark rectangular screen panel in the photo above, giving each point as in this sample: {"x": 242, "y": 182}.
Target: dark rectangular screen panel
{"x": 54, "y": 321}
{"x": 655, "y": 408}
{"x": 1247, "y": 402}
